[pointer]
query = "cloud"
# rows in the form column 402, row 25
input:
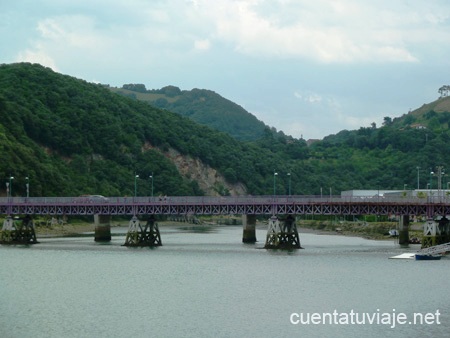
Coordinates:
column 308, row 96
column 325, row 31
column 37, row 55
column 202, row 44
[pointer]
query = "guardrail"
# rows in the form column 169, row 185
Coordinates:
column 225, row 200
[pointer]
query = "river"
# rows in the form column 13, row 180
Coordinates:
column 210, row 284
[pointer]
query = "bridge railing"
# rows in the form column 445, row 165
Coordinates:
column 224, row 200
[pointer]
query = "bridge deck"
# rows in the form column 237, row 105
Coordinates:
column 207, row 205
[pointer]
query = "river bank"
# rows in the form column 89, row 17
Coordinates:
column 374, row 231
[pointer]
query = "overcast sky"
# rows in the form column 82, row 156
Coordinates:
column 308, row 68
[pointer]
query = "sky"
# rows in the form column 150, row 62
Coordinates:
column 307, row 68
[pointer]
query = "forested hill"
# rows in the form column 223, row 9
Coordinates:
column 202, row 106
column 71, row 137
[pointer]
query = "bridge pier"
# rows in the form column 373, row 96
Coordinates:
column 435, row 232
column 102, row 228
column 282, row 236
column 139, row 236
column 444, row 228
column 18, row 233
column 403, row 230
column 249, row 228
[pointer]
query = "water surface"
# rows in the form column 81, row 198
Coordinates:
column 209, row 284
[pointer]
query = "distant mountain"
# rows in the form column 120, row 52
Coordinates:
column 202, row 106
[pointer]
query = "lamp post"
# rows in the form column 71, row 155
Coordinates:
column 440, row 173
column 10, row 185
column 135, row 184
column 274, row 183
column 27, row 185
column 289, row 176
column 151, row 177
column 431, row 176
column 418, row 181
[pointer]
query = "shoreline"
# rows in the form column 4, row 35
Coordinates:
column 76, row 229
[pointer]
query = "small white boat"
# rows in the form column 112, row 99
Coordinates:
column 404, row 256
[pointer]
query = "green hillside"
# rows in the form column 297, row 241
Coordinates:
column 71, row 137
column 202, row 106
column 434, row 116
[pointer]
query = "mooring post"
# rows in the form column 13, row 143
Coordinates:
column 249, row 228
column 403, row 230
column 102, row 228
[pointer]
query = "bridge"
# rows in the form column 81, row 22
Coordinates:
column 249, row 206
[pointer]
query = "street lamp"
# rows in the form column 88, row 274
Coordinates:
column 418, row 181
column 28, row 186
column 274, row 183
column 289, row 176
column 135, row 184
column 151, row 177
column 404, row 186
column 431, row 176
column 10, row 185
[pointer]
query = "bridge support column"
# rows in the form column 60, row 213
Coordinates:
column 18, row 232
column 444, row 229
column 435, row 233
column 249, row 228
column 430, row 233
column 282, row 236
column 102, row 228
column 403, row 230
column 143, row 236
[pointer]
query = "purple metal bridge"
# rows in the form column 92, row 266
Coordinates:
column 249, row 205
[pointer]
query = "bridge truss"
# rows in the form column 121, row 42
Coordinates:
column 297, row 205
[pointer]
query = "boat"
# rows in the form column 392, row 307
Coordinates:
column 404, row 256
column 425, row 257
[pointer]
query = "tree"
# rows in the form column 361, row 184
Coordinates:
column 443, row 91
column 387, row 121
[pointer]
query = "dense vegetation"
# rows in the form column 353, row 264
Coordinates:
column 202, row 106
column 71, row 137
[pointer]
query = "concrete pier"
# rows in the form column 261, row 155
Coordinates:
column 249, row 228
column 102, row 228
column 403, row 230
